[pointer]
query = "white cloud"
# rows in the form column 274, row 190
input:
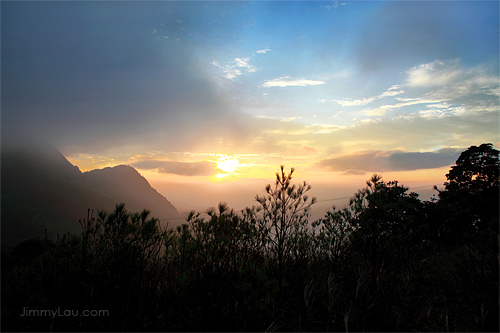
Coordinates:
column 439, row 106
column 216, row 63
column 356, row 102
column 394, row 87
column 283, row 119
column 470, row 90
column 436, row 73
column 288, row 81
column 289, row 119
column 203, row 168
column 441, row 112
column 390, row 92
column 474, row 81
column 263, row 51
column 242, row 62
column 380, row 160
column 409, row 99
column 237, row 67
column 264, row 117
column 335, row 5
column 324, row 128
column 408, row 102
column 337, row 114
column 374, row 112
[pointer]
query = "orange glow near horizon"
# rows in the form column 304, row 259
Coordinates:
column 236, row 179
column 237, row 168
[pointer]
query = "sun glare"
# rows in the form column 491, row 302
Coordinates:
column 227, row 164
column 232, row 167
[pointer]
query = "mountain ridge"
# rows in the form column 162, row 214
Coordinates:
column 42, row 190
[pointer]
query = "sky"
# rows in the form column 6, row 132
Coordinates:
column 207, row 99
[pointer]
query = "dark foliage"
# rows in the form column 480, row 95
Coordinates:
column 386, row 262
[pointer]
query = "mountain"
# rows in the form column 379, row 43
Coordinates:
column 42, row 190
column 124, row 184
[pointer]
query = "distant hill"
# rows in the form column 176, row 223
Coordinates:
column 42, row 190
column 124, row 184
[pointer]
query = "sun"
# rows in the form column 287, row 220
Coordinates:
column 227, row 164
column 233, row 167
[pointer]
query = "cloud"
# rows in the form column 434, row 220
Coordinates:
column 353, row 172
column 401, row 33
column 306, row 150
column 287, row 119
column 379, row 161
column 287, row 81
column 409, row 102
column 264, row 117
column 390, row 92
column 97, row 90
column 263, row 51
column 445, row 87
column 243, row 62
column 335, row 5
column 324, row 128
column 282, row 119
column 456, row 82
column 374, row 112
column 420, row 131
column 203, row 168
column 237, row 67
column 433, row 74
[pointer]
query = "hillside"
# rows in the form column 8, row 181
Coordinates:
column 42, row 190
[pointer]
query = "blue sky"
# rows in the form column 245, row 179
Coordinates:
column 237, row 88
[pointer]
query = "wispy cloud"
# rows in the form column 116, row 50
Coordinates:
column 287, row 81
column 263, row 51
column 455, row 81
column 203, row 168
column 283, row 119
column 442, row 88
column 325, row 128
column 409, row 102
column 374, row 112
column 289, row 119
column 237, row 67
column 437, row 73
column 335, row 5
column 392, row 91
column 379, row 160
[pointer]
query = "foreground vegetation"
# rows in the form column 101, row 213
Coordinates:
column 386, row 262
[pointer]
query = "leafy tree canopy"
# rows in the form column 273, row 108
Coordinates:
column 471, row 196
column 476, row 169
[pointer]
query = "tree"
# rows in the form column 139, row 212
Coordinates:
column 286, row 209
column 477, row 169
column 389, row 220
column 471, row 195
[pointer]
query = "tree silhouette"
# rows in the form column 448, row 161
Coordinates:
column 384, row 216
column 286, row 208
column 476, row 170
column 471, row 195
column 370, row 266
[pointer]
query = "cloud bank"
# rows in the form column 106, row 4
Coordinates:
column 287, row 81
column 379, row 161
column 393, row 91
column 203, row 168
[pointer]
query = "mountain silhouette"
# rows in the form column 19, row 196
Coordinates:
column 42, row 190
column 124, row 184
